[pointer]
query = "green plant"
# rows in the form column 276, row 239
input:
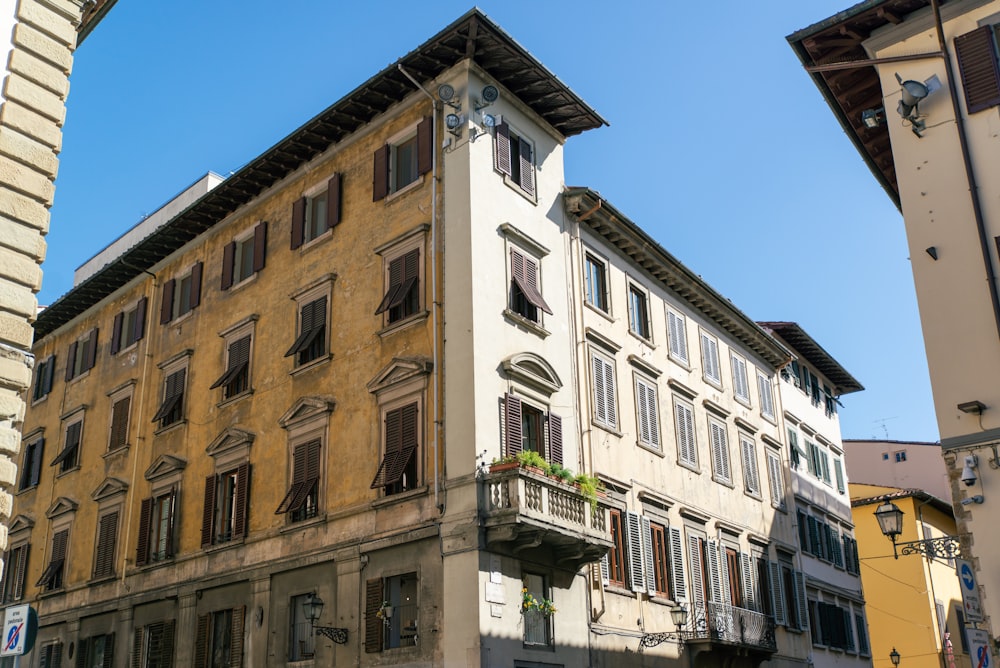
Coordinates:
column 557, row 470
column 543, row 605
column 506, row 459
column 589, row 487
column 527, row 458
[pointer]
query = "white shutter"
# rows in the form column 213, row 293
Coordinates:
column 653, row 409
column 637, row 578
column 678, row 336
column 747, row 577
column 649, row 427
column 605, row 570
column 777, row 593
column 600, row 401
column 697, row 577
column 799, row 584
column 647, row 554
column 710, row 357
column 686, row 449
column 715, row 572
column 838, row 469
column 741, row 387
column 720, row 451
column 609, row 388
column 766, row 401
column 776, row 479
column 678, row 588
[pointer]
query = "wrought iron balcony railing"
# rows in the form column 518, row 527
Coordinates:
column 718, row 622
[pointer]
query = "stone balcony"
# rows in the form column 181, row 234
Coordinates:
column 529, row 515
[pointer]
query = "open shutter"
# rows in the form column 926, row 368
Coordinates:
column 555, row 453
column 167, row 301
column 799, row 584
column 242, row 500
column 725, row 593
column 298, row 222
column 20, row 572
column 605, row 570
column 512, row 424
column 166, row 649
column 501, row 146
column 714, row 572
column 697, row 576
column 201, row 642
column 116, row 332
column 137, row 648
column 679, row 587
column 373, row 625
column 747, row 577
column 194, row 287
column 333, row 201
column 425, row 139
column 380, row 179
column 600, row 400
column 139, row 325
column 208, row 511
column 36, row 462
column 838, row 470
column 91, row 350
column 777, row 595
column 228, row 259
column 82, row 648
column 259, row 245
column 142, row 548
column 236, row 640
column 71, row 360
column 647, row 552
column 109, row 651
column 977, row 65
column 633, row 531
column 527, row 168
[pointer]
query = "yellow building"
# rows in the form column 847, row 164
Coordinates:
column 914, row 602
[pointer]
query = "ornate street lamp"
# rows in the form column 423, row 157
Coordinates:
column 313, row 608
column 890, row 521
column 894, row 657
column 679, row 616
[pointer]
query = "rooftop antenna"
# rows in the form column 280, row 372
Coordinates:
column 881, row 423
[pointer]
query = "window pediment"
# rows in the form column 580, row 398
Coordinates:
column 400, row 370
column 164, row 466
column 61, row 506
column 228, row 440
column 533, row 371
column 20, row 523
column 305, row 409
column 110, row 487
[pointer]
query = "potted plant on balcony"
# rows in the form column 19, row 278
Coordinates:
column 561, row 473
column 589, row 487
column 529, row 459
column 543, row 605
column 504, row 463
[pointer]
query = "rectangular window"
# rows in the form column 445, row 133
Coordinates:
column 31, row 463
column 741, row 385
column 862, row 628
column 398, row 470
column 687, row 448
column 402, row 296
column 638, row 312
column 181, row 294
column 710, row 359
column 391, row 612
column 596, row 282
column 244, row 256
column 51, row 655
column 720, row 451
column 537, row 623
column 96, row 652
column 235, row 380
column 219, row 639
column 129, row 327
column 661, row 560
column 52, row 576
column 301, row 644
column 171, row 410
column 793, row 448
column 118, row 434
column 156, row 529
column 829, row 402
column 301, row 502
column 603, row 378
column 107, row 539
column 648, row 412
column 69, row 458
column 677, row 335
column 154, row 645
column 15, row 571
column 616, row 555
column 751, row 478
column 528, row 427
column 838, row 469
column 81, row 355
column 979, row 72
column 776, row 479
column 44, row 374
column 313, row 215
column 766, row 399
column 224, row 514
column 402, row 160
column 900, row 456
column 525, row 298
column 514, row 158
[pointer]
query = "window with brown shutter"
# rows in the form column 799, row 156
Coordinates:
column 82, row 355
column 119, row 423
column 69, row 457
column 172, row 408
column 398, row 469
column 979, row 71
column 156, row 529
column 401, row 162
column 402, row 296
column 244, row 256
column 44, row 375
column 107, row 535
column 14, row 573
column 129, row 327
column 616, row 555
column 219, row 638
column 235, row 380
column 31, row 463
column 301, row 501
column 310, row 344
column 96, row 651
column 52, row 576
column 312, row 216
column 153, row 645
column 513, row 156
column 224, row 515
column 525, row 299
column 51, row 655
column 374, row 626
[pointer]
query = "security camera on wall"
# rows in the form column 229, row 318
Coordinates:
column 969, row 471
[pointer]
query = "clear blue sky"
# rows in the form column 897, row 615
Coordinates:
column 719, row 145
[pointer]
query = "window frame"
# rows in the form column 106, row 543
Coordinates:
column 181, row 294
column 159, row 635
column 307, row 425
column 307, row 225
column 129, row 326
column 741, row 377
column 30, row 471
column 401, row 410
column 252, row 243
column 710, row 359
column 120, row 417
column 87, row 649
column 766, row 397
column 386, row 160
column 776, row 478
column 15, row 572
column 608, row 397
column 171, row 412
column 53, row 578
column 638, row 312
column 722, row 469
column 647, row 411
column 226, row 509
column 44, row 377
column 236, row 380
column 751, row 468
column 69, row 456
column 537, row 585
column 597, row 280
column 616, row 555
column 397, row 250
column 82, row 355
column 680, row 404
column 106, row 544
column 299, row 647
column 518, row 172
column 677, row 337
column 525, row 298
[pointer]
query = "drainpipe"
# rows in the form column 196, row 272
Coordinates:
column 435, row 311
column 969, row 172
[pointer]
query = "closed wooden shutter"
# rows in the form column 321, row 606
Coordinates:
column 512, row 425
column 139, row 325
column 236, row 641
column 677, row 335
column 36, row 462
column 710, row 358
column 373, row 625
column 679, row 586
column 71, row 360
column 136, row 661
column 380, row 177
column 49, row 375
column 119, row 423
column 720, row 450
column 107, row 535
column 776, row 479
column 208, row 511
column 299, row 221
column 228, row 260
column 555, row 453
column 194, row 286
column 741, row 387
column 116, row 332
column 777, row 593
column 687, row 450
column 747, row 575
column 977, row 65
column 145, row 518
column 167, row 302
column 91, row 351
column 82, row 648
column 799, row 585
column 333, row 201
column 201, row 641
column 605, row 409
column 527, row 174
column 501, row 148
column 259, row 245
column 425, row 139
column 243, row 499
column 649, row 427
column 750, row 472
